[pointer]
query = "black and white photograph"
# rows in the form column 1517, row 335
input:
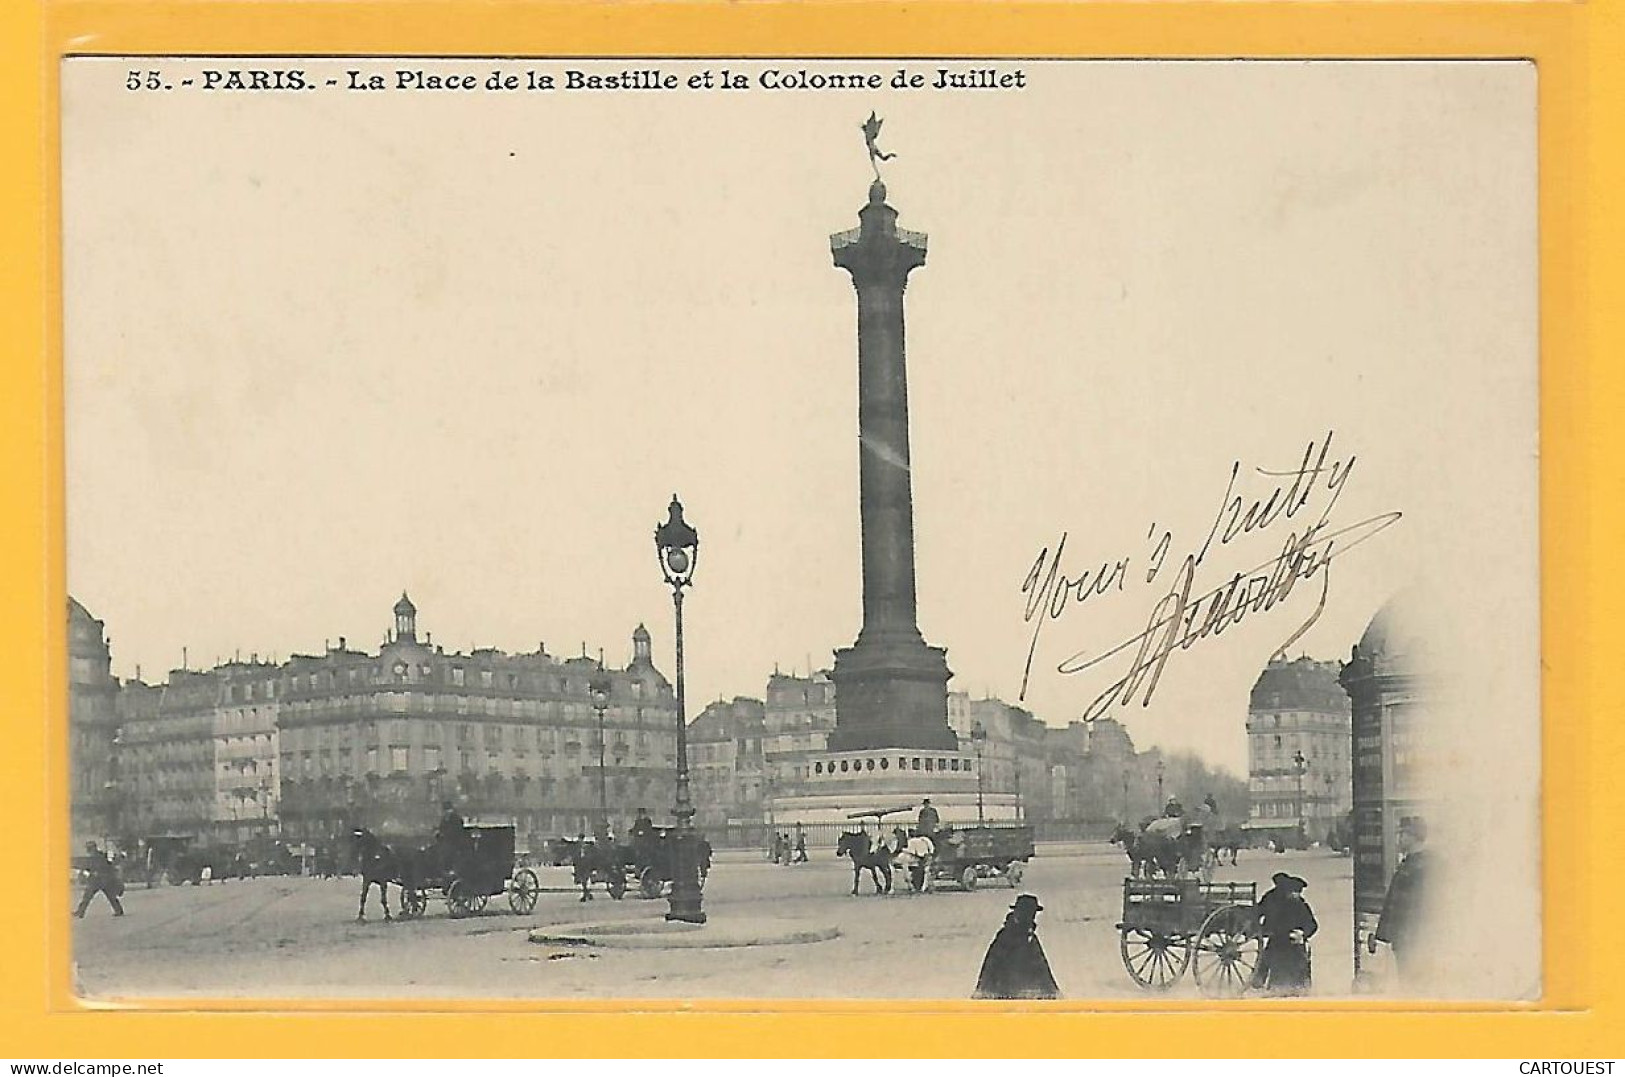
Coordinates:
column 709, row 529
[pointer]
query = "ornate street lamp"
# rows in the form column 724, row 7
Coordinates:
column 599, row 688
column 1161, row 766
column 678, row 547
column 978, row 735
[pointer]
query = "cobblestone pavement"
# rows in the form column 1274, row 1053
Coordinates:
column 297, row 938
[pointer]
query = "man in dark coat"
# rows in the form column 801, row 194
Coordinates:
column 1401, row 925
column 1015, row 966
column 928, row 820
column 1287, row 924
column 451, row 837
column 103, row 880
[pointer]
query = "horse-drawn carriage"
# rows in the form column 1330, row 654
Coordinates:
column 969, row 855
column 1171, row 925
column 647, row 863
column 966, row 855
column 166, row 858
column 467, row 874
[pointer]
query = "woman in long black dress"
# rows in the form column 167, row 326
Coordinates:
column 1015, row 966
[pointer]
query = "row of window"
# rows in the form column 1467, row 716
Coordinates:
column 457, row 676
column 433, row 734
column 926, row 763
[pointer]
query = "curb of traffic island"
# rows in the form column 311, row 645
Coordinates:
column 676, row 935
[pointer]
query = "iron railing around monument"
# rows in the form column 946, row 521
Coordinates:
column 822, row 837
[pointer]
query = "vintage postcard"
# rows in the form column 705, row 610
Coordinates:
column 709, row 529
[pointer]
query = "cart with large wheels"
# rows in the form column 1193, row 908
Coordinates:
column 1170, row 926
column 972, row 855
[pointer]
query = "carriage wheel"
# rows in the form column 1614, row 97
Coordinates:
column 650, row 884
column 1225, row 953
column 477, row 902
column 413, row 903
column 458, row 899
column 522, row 895
column 967, row 877
column 1014, row 872
column 1156, row 961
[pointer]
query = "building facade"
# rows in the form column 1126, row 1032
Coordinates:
column 1012, row 747
column 727, row 766
column 383, row 739
column 245, row 757
column 798, row 718
column 167, row 755
column 95, row 790
column 1298, row 754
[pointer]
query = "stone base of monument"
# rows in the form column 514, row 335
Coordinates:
column 661, row 934
column 843, row 784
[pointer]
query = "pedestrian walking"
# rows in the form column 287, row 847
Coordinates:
column 1287, row 923
column 801, row 845
column 1015, row 966
column 103, row 879
column 582, row 865
column 1402, row 924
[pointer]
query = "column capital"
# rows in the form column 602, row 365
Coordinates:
column 877, row 250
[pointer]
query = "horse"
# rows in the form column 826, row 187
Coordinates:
column 378, row 865
column 1153, row 850
column 857, row 846
column 1228, row 840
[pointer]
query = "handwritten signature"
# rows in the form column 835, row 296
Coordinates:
column 1178, row 619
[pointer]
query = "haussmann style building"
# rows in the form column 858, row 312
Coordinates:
column 1298, row 754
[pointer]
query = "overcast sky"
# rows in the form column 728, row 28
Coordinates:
column 326, row 346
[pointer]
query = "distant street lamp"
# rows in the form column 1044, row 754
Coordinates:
column 978, row 735
column 770, row 786
column 1161, row 766
column 678, row 547
column 599, row 689
column 1125, row 796
column 1301, row 765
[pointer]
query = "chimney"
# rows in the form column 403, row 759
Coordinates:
column 341, row 643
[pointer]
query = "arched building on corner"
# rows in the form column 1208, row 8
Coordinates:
column 1298, row 766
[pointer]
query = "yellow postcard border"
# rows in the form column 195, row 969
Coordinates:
column 1576, row 47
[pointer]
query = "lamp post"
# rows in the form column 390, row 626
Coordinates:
column 770, row 786
column 113, row 792
column 599, row 688
column 1301, row 765
column 678, row 547
column 1161, row 766
column 1125, row 796
column 978, row 736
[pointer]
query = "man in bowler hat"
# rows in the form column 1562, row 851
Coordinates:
column 1015, row 966
column 1402, row 908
